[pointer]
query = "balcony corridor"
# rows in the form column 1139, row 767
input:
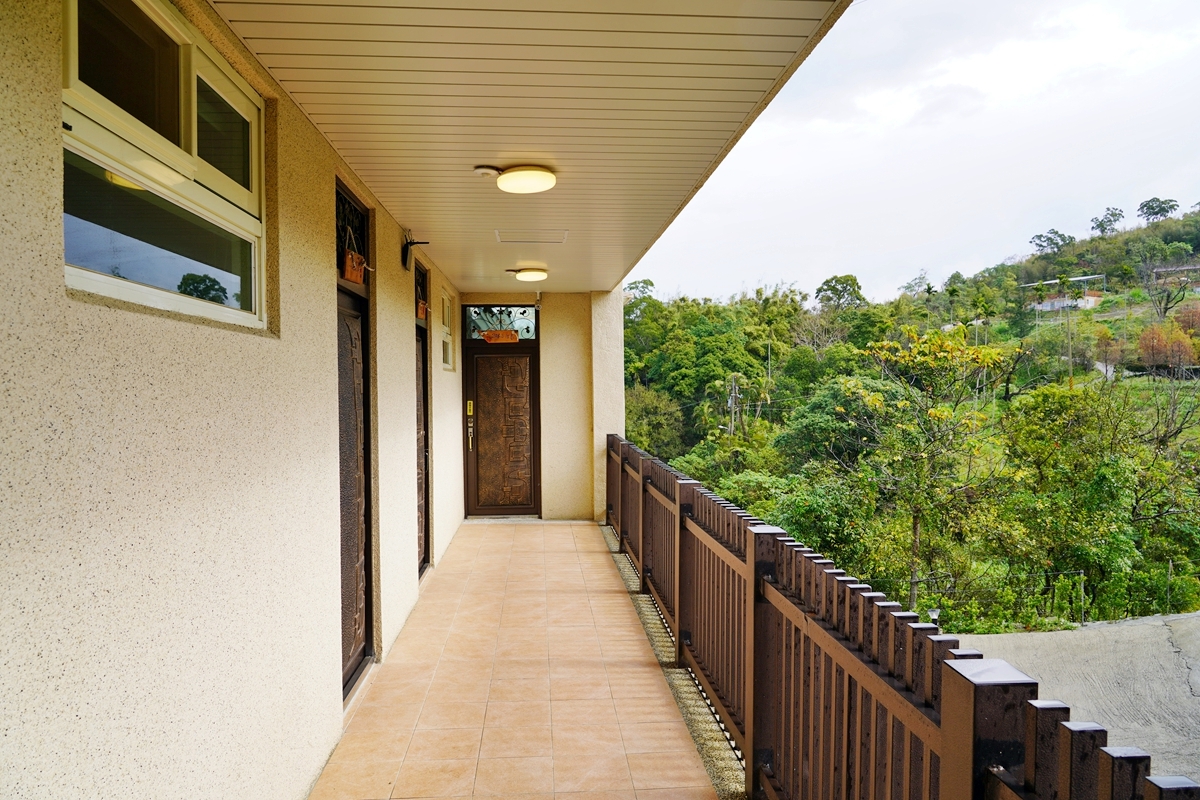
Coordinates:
column 525, row 672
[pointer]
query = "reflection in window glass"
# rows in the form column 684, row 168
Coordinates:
column 222, row 134
column 111, row 225
column 482, row 319
column 124, row 56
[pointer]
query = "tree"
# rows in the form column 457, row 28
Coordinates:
column 653, row 421
column 1051, row 242
column 1109, row 350
column 1152, row 346
column 1156, row 209
column 925, row 447
column 1106, row 223
column 205, row 287
column 840, row 293
column 1167, row 287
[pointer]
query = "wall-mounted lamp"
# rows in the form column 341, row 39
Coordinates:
column 408, row 252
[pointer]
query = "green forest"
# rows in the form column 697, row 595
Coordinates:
column 1017, row 448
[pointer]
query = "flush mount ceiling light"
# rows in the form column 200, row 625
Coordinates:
column 520, row 180
column 530, row 271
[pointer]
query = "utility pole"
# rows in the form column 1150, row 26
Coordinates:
column 1170, row 575
column 732, row 403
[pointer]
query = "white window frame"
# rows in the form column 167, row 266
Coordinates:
column 100, row 131
column 447, row 332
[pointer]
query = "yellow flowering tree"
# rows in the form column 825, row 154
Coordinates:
column 929, row 441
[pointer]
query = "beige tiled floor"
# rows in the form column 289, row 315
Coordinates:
column 523, row 672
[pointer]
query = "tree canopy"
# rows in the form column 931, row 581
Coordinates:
column 1016, row 462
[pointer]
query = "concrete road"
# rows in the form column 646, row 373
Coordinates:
column 1139, row 678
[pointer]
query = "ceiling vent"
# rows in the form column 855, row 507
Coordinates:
column 525, row 237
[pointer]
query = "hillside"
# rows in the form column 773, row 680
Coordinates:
column 1016, row 460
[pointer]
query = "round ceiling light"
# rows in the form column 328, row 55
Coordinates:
column 526, row 180
column 536, row 271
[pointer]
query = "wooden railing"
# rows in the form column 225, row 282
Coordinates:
column 829, row 690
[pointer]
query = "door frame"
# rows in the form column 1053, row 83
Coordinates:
column 423, row 389
column 359, row 296
column 471, row 349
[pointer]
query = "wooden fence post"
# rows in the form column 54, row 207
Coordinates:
column 684, row 491
column 641, row 532
column 748, row 655
column 983, row 721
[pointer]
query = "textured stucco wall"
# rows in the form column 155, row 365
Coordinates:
column 566, row 372
column 445, row 416
column 608, row 384
column 169, row 487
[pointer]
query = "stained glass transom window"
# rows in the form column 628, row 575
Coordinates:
column 497, row 324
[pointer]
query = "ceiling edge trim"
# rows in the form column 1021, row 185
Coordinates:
column 834, row 14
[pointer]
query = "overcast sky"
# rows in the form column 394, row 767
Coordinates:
column 941, row 135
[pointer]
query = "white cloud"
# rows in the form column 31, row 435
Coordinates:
column 941, row 135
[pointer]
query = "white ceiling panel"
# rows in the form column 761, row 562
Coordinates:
column 632, row 104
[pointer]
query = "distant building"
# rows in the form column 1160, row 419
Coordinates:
column 1057, row 302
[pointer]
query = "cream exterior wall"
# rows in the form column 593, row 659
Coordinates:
column 445, row 417
column 608, row 385
column 169, row 527
column 566, row 387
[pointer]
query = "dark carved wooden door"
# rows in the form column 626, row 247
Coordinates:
column 422, row 452
column 352, row 435
column 503, row 474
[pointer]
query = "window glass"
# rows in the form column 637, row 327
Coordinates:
column 222, row 134
column 113, row 226
column 127, row 58
column 500, row 323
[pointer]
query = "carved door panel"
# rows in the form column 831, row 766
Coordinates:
column 352, row 418
column 422, row 453
column 502, row 435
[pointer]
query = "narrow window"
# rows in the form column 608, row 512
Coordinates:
column 126, row 57
column 113, row 226
column 222, row 134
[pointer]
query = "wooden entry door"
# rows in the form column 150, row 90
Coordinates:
column 501, row 430
column 354, row 464
column 422, row 450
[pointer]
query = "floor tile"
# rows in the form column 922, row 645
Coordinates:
column 680, row 770
column 355, row 781
column 523, row 672
column 587, row 740
column 367, row 745
column 452, row 715
column 585, row 712
column 657, row 737
column 435, row 778
column 511, row 776
column 443, row 744
column 524, row 689
column 517, row 714
column 524, row 743
column 591, row 773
